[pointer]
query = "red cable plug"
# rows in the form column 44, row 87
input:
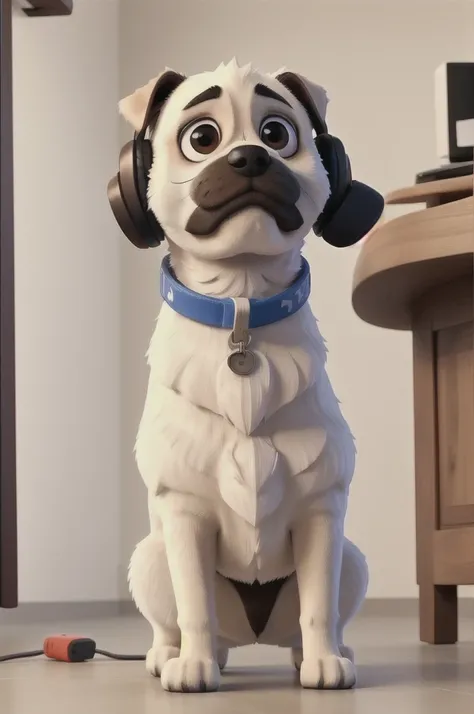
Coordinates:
column 69, row 648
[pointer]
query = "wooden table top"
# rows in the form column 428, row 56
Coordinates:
column 404, row 258
column 423, row 192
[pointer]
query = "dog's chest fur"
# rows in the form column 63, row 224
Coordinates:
column 247, row 442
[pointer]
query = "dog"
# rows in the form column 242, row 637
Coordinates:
column 242, row 445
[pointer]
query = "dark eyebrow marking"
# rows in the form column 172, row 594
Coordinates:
column 211, row 93
column 262, row 91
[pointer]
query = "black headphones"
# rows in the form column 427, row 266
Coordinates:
column 353, row 208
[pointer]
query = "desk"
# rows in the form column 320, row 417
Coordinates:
column 416, row 273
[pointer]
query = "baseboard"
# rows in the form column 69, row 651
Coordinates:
column 127, row 607
column 59, row 612
column 32, row 612
column 407, row 607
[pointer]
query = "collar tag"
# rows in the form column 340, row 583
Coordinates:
column 240, row 332
column 241, row 360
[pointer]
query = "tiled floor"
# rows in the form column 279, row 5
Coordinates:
column 397, row 675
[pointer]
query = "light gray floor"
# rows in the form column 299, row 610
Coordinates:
column 396, row 675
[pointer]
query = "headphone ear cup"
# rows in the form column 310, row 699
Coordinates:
column 358, row 213
column 335, row 161
column 128, row 199
column 122, row 214
column 353, row 208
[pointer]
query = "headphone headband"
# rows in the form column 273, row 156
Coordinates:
column 298, row 88
column 164, row 87
column 351, row 211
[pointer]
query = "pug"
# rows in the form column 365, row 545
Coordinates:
column 242, row 445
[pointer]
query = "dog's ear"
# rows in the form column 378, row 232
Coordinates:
column 145, row 103
column 312, row 96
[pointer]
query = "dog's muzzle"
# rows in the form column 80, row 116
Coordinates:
column 247, row 176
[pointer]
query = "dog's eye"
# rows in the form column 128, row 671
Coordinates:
column 199, row 139
column 279, row 134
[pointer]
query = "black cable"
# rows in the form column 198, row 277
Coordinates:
column 125, row 658
column 21, row 655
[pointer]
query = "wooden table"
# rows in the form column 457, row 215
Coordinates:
column 416, row 273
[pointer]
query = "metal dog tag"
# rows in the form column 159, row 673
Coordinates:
column 242, row 363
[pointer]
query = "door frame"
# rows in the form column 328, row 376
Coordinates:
column 8, row 505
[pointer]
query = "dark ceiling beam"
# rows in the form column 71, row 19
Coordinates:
column 47, row 8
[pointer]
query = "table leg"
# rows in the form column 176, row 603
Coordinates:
column 438, row 603
column 438, row 614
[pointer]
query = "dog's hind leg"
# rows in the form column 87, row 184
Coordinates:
column 222, row 656
column 151, row 588
column 353, row 589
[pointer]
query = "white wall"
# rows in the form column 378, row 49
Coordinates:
column 67, row 303
column 377, row 60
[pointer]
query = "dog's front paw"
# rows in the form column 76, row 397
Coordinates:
column 157, row 657
column 328, row 672
column 190, row 675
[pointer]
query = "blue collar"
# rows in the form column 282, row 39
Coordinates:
column 219, row 312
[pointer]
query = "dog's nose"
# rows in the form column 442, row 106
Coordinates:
column 249, row 160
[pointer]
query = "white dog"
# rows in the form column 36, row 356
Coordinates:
column 242, row 445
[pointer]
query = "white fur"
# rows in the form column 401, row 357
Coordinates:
column 247, row 477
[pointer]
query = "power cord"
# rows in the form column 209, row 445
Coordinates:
column 68, row 648
column 122, row 657
column 21, row 655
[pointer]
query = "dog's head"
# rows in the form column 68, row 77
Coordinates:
column 235, row 168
